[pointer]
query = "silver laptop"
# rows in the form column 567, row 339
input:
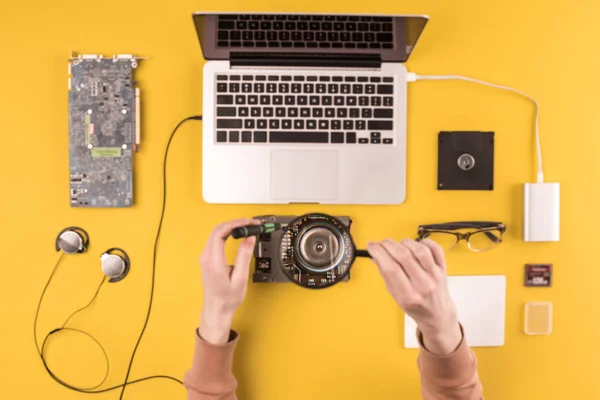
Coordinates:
column 305, row 108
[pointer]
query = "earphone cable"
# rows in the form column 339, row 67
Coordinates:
column 162, row 216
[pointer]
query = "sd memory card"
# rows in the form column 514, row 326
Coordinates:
column 538, row 275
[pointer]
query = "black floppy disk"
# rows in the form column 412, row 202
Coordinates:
column 465, row 160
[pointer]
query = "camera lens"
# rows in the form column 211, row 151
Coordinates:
column 319, row 247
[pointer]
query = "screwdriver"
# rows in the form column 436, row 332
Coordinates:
column 255, row 230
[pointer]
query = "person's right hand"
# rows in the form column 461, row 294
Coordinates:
column 224, row 285
column 415, row 276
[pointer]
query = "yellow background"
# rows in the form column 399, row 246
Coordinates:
column 296, row 344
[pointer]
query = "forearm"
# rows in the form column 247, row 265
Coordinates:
column 448, row 375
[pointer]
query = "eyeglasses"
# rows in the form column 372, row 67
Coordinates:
column 480, row 236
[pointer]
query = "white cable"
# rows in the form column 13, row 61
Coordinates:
column 540, row 174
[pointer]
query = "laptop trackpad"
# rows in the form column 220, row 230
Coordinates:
column 309, row 176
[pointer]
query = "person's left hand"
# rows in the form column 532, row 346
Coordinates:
column 224, row 285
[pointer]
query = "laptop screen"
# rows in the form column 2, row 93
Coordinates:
column 391, row 37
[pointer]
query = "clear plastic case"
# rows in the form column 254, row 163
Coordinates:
column 538, row 318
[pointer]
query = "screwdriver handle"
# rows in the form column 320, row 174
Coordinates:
column 255, row 230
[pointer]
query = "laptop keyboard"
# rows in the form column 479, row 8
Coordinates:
column 304, row 109
column 305, row 31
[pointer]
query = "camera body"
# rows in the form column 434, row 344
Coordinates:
column 269, row 268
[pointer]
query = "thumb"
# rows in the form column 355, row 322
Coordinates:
column 239, row 276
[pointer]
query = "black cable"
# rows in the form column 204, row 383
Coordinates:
column 64, row 328
column 162, row 216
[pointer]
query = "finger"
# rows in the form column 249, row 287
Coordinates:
column 437, row 252
column 216, row 241
column 239, row 276
column 404, row 257
column 391, row 271
column 423, row 255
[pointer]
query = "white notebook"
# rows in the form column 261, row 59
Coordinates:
column 481, row 303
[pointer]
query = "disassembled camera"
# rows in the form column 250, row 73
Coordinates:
column 313, row 251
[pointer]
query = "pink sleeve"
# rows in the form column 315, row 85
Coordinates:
column 211, row 376
column 449, row 377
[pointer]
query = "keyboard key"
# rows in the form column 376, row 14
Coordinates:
column 369, row 37
column 388, row 141
column 348, row 124
column 274, row 124
column 315, row 100
column 296, row 88
column 234, row 87
column 234, row 136
column 271, row 87
column 259, row 88
column 326, row 100
column 311, row 124
column 240, row 99
column 337, row 137
column 234, row 77
column 330, row 112
column 338, row 100
column 298, row 137
column 361, row 125
column 363, row 141
column 337, row 79
column 363, row 101
column 324, row 124
column 363, row 79
column 265, row 26
column 370, row 89
column 255, row 111
column 324, row 79
column 226, row 112
column 236, row 44
column 383, row 113
column 388, row 79
column 290, row 100
column 309, row 88
column 241, row 25
column 260, row 137
column 326, row 26
column 345, row 88
column 375, row 79
column 305, row 112
column 387, row 46
column 350, row 45
column 221, row 87
column 298, row 124
column 268, row 111
column 221, row 136
column 247, row 36
column 317, row 112
column 302, row 26
column 354, row 113
column 286, row 44
column 280, row 111
column 385, row 37
column 249, row 124
column 286, row 78
column 261, row 124
column 226, row 25
column 333, row 36
column 253, row 26
column 277, row 100
column 252, row 99
column 332, row 88
column 375, row 141
column 273, row 44
column 286, row 124
column 367, row 113
column 284, row 88
column 350, row 137
column 321, row 88
column 302, row 100
column 374, row 45
column 225, row 99
column 345, row 37
column 385, row 89
column 351, row 100
column 246, row 87
column 357, row 89
column 376, row 101
column 388, row 101
column 243, row 111
column 342, row 113
column 375, row 135
column 377, row 125
column 221, row 77
column 336, row 125
column 246, row 137
column 229, row 123
column 338, row 26
column 363, row 27
column 273, row 78
column 292, row 112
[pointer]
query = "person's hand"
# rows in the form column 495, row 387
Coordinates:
column 224, row 285
column 415, row 275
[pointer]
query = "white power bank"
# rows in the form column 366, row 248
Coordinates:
column 541, row 212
